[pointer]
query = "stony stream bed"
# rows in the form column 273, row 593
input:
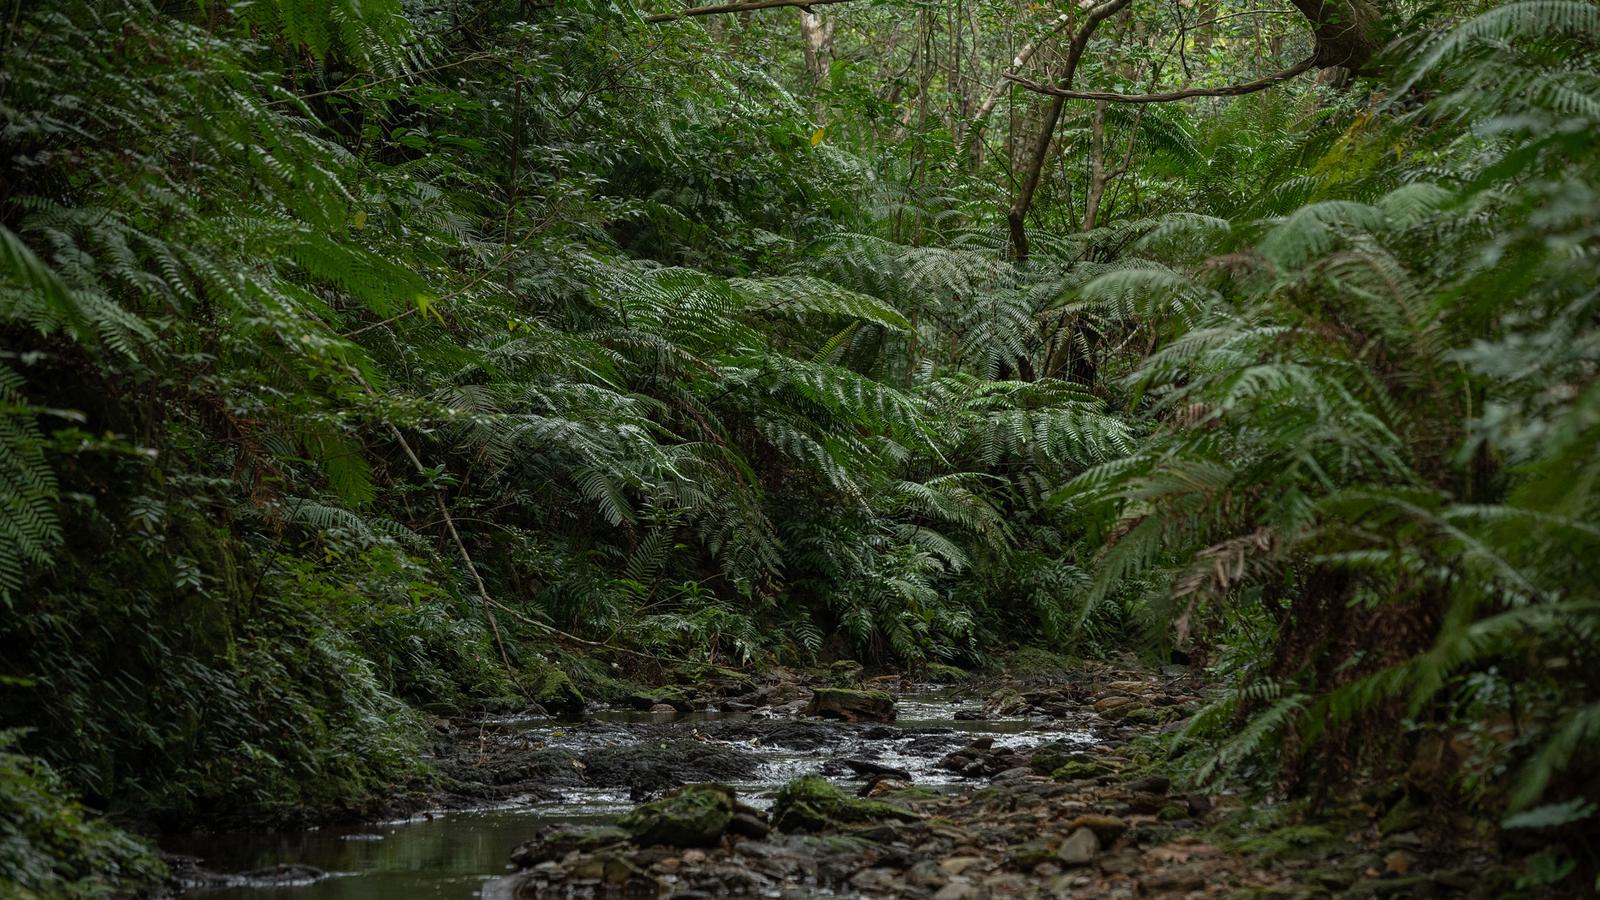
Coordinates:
column 539, row 772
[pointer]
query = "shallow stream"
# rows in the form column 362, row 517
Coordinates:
column 451, row 854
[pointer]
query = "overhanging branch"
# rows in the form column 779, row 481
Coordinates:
column 721, row 8
column 1232, row 90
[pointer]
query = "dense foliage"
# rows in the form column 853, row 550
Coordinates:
column 366, row 358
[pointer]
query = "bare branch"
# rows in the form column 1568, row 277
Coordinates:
column 720, row 8
column 1232, row 90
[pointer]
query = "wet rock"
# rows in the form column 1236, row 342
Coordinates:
column 851, row 705
column 970, row 715
column 282, row 875
column 812, row 803
column 982, row 759
column 691, row 816
column 1080, row 848
column 866, row 768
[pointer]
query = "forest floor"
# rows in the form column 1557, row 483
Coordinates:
column 1053, row 789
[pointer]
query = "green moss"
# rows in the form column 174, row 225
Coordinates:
column 851, row 705
column 695, row 815
column 554, row 691
column 1286, row 839
column 943, row 674
column 844, row 673
column 812, row 803
column 1081, row 766
column 1036, row 662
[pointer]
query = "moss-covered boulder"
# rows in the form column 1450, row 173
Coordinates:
column 812, row 803
column 1036, row 663
column 1052, row 756
column 939, row 673
column 695, row 815
column 556, row 693
column 844, row 673
column 1082, row 766
column 558, row 843
column 851, row 705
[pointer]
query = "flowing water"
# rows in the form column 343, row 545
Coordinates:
column 450, row 855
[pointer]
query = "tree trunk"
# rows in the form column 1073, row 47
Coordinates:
column 818, row 39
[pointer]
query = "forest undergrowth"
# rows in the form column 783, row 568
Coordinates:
column 366, row 361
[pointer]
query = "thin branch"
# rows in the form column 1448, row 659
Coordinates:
column 719, row 8
column 1232, row 90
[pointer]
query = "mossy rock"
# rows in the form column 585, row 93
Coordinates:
column 694, row 815
column 560, row 842
column 851, row 705
column 939, row 673
column 1286, row 840
column 1036, row 662
column 812, row 803
column 699, row 673
column 1082, row 766
column 675, row 697
column 844, row 673
column 1053, row 756
column 554, row 691
column 1172, row 812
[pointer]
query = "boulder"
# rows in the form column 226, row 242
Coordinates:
column 812, row 803
column 694, row 815
column 1082, row 766
column 943, row 674
column 554, row 691
column 851, row 705
column 561, row 841
column 844, row 673
column 1052, row 756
